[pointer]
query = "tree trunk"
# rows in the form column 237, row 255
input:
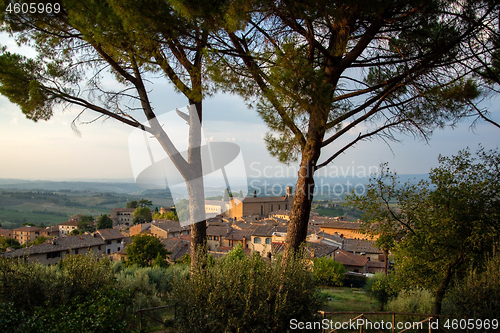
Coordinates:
column 441, row 291
column 195, row 188
column 304, row 189
column 198, row 229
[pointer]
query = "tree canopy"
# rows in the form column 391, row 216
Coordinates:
column 104, row 222
column 317, row 72
column 437, row 228
column 144, row 250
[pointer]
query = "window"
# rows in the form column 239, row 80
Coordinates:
column 272, row 208
column 109, row 251
column 216, row 237
column 76, row 251
column 51, row 255
column 279, row 207
column 209, row 237
column 286, row 206
column 268, row 240
column 261, row 210
column 257, row 240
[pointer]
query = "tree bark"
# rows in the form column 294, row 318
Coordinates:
column 304, row 189
column 441, row 291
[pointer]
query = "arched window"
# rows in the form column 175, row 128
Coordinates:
column 268, row 240
column 257, row 240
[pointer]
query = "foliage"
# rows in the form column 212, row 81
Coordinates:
column 236, row 253
column 381, row 288
column 412, row 301
column 144, row 249
column 477, row 295
column 31, row 285
column 9, row 242
column 142, row 215
column 86, row 224
column 104, row 222
column 166, row 216
column 440, row 226
column 246, row 295
column 185, row 260
column 328, row 272
column 132, row 204
column 147, row 287
column 39, row 240
column 75, row 232
column 145, row 203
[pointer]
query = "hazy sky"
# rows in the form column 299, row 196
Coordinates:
column 50, row 150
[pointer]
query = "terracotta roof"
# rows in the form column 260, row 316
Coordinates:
column 52, row 228
column 177, row 247
column 6, row 233
column 320, row 250
column 238, row 234
column 170, row 225
column 31, row 229
column 73, row 223
column 342, row 225
column 360, row 246
column 350, row 259
column 123, row 209
column 109, row 234
column 264, row 230
column 281, row 212
column 214, row 230
column 61, row 244
column 265, row 199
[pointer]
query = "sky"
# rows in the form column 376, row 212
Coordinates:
column 51, row 150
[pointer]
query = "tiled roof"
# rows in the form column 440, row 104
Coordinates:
column 177, row 247
column 264, row 230
column 30, row 229
column 342, row 225
column 350, row 259
column 61, row 244
column 214, row 230
column 123, row 209
column 360, row 246
column 264, row 199
column 238, row 234
column 109, row 234
column 170, row 225
column 320, row 250
column 52, row 228
column 5, row 233
column 73, row 223
column 281, row 212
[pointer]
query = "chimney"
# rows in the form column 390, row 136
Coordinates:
column 244, row 242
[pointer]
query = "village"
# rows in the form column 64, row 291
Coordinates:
column 257, row 224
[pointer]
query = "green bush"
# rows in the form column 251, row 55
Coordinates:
column 328, row 272
column 478, row 294
column 245, row 295
column 412, row 301
column 380, row 287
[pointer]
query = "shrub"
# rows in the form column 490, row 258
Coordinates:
column 328, row 272
column 245, row 295
column 412, row 301
column 478, row 294
column 380, row 287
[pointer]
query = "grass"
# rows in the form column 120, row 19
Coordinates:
column 348, row 299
